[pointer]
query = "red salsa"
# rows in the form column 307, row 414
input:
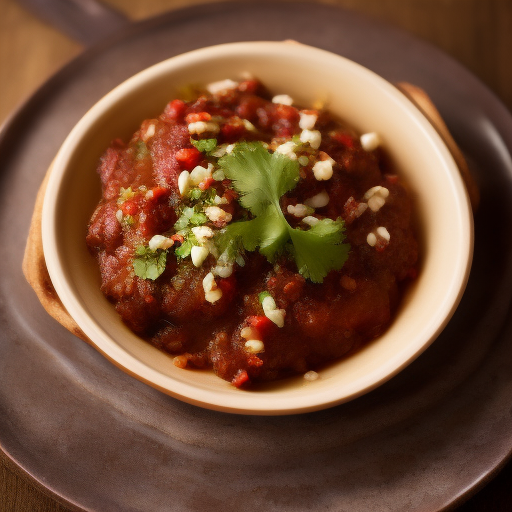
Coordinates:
column 242, row 233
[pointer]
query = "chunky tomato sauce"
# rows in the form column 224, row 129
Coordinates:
column 165, row 200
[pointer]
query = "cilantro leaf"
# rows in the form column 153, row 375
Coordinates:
column 197, row 219
column 184, row 219
column 149, row 264
column 204, row 145
column 261, row 178
column 267, row 231
column 194, row 194
column 184, row 249
column 206, row 197
column 319, row 248
column 190, row 215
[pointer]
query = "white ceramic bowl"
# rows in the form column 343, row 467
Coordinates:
column 356, row 94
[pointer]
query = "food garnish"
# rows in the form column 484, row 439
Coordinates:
column 148, row 263
column 262, row 178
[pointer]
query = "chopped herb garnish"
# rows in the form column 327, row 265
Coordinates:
column 184, row 219
column 128, row 221
column 183, row 251
column 125, row 194
column 190, row 215
column 195, row 194
column 198, row 219
column 149, row 264
column 207, row 196
column 204, row 145
column 261, row 178
column 141, row 150
column 296, row 140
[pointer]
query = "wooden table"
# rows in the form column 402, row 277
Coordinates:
column 478, row 33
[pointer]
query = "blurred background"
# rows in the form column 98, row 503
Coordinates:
column 477, row 33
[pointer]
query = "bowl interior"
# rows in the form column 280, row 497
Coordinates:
column 356, row 95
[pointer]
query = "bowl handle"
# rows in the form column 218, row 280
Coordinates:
column 36, row 273
column 422, row 101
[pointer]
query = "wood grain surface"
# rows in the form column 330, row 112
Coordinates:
column 478, row 33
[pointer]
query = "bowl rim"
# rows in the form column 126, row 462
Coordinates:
column 210, row 399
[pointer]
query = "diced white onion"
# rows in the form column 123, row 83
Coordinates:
column 313, row 137
column 375, row 203
column 307, row 121
column 318, row 201
column 271, row 312
column 323, row 170
column 299, row 210
column 254, row 346
column 370, row 141
column 150, row 131
column 383, row 233
column 216, row 214
column 376, row 197
column 378, row 190
column 277, row 316
column 211, row 292
column 202, row 233
column 287, row 149
column 160, row 242
column 198, row 255
column 310, row 221
column 202, row 127
column 221, row 85
column 183, row 182
column 371, row 239
column 283, row 99
column 199, row 174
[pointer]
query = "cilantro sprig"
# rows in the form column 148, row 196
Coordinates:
column 204, row 145
column 149, row 264
column 261, row 178
column 190, row 215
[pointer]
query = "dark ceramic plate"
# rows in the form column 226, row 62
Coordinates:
column 105, row 441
